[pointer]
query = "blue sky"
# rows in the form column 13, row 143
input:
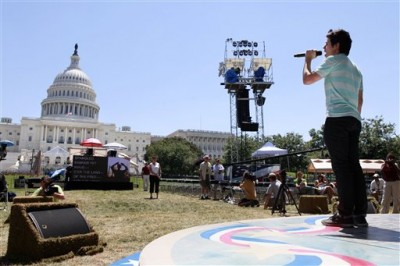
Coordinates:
column 154, row 64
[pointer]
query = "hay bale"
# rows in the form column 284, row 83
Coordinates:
column 25, row 243
column 27, row 199
column 317, row 204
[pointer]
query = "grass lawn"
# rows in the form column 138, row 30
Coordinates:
column 127, row 220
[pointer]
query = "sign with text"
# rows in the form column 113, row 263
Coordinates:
column 100, row 169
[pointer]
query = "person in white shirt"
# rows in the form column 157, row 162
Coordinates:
column 204, row 176
column 218, row 170
column 272, row 191
column 155, row 176
column 376, row 187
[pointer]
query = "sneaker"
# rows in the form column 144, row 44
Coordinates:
column 339, row 221
column 360, row 221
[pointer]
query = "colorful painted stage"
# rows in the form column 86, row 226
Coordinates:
column 300, row 240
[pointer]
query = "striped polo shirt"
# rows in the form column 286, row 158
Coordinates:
column 343, row 81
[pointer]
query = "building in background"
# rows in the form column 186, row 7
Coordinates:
column 210, row 142
column 69, row 115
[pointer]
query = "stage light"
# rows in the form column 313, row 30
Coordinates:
column 249, row 44
column 255, row 44
column 256, row 53
column 241, row 53
column 240, row 44
column 260, row 100
column 235, row 63
column 250, row 52
column 245, row 52
column 234, row 44
column 260, row 62
column 235, row 53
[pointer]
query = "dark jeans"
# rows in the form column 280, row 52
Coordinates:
column 341, row 136
column 154, row 184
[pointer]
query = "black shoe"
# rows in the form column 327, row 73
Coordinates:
column 339, row 221
column 360, row 221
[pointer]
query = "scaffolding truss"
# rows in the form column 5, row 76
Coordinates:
column 246, row 58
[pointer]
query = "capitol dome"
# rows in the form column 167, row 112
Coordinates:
column 73, row 75
column 71, row 95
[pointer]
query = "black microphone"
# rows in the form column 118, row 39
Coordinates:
column 318, row 53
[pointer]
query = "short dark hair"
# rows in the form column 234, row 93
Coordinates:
column 390, row 156
column 343, row 38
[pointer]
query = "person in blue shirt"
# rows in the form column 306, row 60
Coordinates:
column 232, row 75
column 344, row 99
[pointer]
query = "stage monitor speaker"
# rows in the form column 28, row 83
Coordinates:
column 242, row 106
column 59, row 222
column 249, row 126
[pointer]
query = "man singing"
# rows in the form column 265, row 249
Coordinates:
column 344, row 99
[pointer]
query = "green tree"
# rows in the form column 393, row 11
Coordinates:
column 292, row 142
column 317, row 138
column 378, row 138
column 317, row 141
column 240, row 148
column 176, row 155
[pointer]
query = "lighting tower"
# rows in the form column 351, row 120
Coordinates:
column 245, row 70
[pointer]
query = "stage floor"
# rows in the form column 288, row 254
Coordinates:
column 300, row 240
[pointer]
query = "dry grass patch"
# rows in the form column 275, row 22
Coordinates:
column 127, row 220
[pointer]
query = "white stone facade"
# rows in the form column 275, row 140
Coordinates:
column 70, row 114
column 210, row 142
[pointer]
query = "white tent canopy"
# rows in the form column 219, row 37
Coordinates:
column 56, row 155
column 268, row 150
column 324, row 165
column 56, row 151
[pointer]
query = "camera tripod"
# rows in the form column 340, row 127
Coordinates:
column 280, row 201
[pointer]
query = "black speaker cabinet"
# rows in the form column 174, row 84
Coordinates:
column 249, row 126
column 242, row 106
column 59, row 222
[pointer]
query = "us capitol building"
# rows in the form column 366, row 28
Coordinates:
column 70, row 114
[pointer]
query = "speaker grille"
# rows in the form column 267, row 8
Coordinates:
column 59, row 222
column 242, row 107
